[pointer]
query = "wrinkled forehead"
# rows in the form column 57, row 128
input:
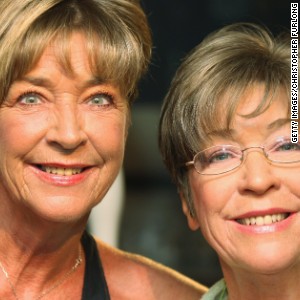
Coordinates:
column 75, row 53
column 71, row 57
column 72, row 52
column 72, row 63
column 68, row 54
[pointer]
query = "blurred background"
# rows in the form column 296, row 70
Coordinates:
column 144, row 216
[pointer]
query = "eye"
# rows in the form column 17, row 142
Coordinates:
column 220, row 156
column 288, row 146
column 29, row 98
column 101, row 99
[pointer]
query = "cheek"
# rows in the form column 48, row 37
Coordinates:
column 211, row 197
column 108, row 135
column 207, row 196
column 291, row 182
column 12, row 131
column 118, row 132
column 19, row 134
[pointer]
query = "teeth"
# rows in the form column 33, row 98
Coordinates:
column 263, row 220
column 62, row 171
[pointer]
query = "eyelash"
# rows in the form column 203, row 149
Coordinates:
column 109, row 96
column 105, row 94
column 27, row 93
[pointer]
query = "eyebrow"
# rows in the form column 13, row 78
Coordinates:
column 47, row 83
column 278, row 123
column 225, row 133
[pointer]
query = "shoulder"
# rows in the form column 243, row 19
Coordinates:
column 135, row 277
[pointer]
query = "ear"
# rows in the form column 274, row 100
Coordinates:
column 192, row 219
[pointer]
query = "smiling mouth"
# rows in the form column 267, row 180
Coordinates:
column 263, row 220
column 61, row 171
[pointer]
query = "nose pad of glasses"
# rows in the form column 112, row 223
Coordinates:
column 254, row 159
column 254, row 149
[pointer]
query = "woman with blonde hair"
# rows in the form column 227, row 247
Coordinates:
column 68, row 76
column 225, row 136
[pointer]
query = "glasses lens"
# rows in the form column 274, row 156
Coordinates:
column 283, row 150
column 218, row 159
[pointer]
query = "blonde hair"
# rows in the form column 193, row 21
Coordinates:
column 117, row 33
column 227, row 62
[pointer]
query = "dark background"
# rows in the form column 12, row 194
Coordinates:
column 152, row 222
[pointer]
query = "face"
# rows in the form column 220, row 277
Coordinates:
column 263, row 194
column 62, row 138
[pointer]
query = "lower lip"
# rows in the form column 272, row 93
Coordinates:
column 262, row 229
column 60, row 180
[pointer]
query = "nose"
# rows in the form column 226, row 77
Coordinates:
column 66, row 129
column 258, row 176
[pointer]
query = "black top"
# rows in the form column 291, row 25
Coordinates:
column 95, row 286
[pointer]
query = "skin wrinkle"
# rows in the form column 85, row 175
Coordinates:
column 66, row 99
column 234, row 88
column 201, row 186
column 77, row 117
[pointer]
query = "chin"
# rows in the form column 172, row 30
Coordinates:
column 269, row 270
column 62, row 209
column 270, row 263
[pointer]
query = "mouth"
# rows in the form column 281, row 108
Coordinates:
column 62, row 171
column 263, row 220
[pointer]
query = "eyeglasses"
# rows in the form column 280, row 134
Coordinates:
column 224, row 158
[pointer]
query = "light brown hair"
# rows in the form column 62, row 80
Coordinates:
column 117, row 33
column 227, row 62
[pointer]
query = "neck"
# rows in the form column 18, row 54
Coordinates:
column 28, row 230
column 39, row 249
column 250, row 285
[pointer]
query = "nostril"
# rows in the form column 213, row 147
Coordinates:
column 66, row 125
column 66, row 139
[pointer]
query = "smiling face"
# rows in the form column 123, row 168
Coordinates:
column 250, row 215
column 62, row 137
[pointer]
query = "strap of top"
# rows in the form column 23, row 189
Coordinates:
column 95, row 286
column 217, row 292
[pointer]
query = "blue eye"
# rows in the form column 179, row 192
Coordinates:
column 289, row 146
column 101, row 99
column 29, row 99
column 219, row 157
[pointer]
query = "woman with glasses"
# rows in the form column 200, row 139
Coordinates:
column 225, row 136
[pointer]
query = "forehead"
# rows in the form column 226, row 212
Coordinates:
column 273, row 117
column 252, row 107
column 72, row 61
column 249, row 103
column 70, row 58
column 254, row 96
column 66, row 68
